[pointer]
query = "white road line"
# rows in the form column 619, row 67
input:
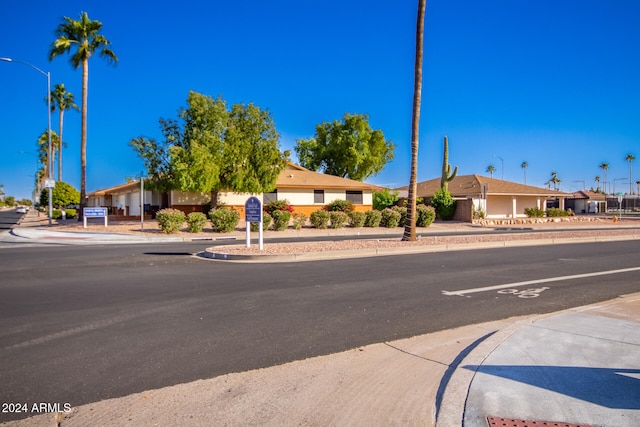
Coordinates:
column 539, row 281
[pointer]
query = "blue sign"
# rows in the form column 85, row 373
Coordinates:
column 95, row 212
column 253, row 210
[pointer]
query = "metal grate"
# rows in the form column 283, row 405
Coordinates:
column 510, row 422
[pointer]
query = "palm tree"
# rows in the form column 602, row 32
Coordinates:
column 597, row 180
column 43, row 151
column 604, row 166
column 638, row 187
column 62, row 100
column 524, row 168
column 84, row 37
column 410, row 221
column 555, row 180
column 491, row 169
column 630, row 158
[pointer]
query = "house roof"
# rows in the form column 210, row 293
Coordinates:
column 471, row 186
column 591, row 195
column 294, row 176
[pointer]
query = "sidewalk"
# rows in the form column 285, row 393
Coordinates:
column 577, row 367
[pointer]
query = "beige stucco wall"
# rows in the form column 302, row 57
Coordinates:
column 505, row 206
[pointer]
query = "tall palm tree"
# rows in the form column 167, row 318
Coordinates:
column 638, row 187
column 555, row 180
column 61, row 100
column 604, row 166
column 630, row 158
column 524, row 168
column 597, row 180
column 491, row 169
column 410, row 221
column 83, row 36
column 43, row 150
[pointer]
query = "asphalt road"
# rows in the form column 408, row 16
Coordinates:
column 84, row 323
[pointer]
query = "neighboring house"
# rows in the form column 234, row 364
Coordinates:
column 587, row 202
column 306, row 190
column 495, row 197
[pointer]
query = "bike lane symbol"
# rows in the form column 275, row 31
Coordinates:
column 525, row 293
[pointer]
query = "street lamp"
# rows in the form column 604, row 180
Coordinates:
column 50, row 148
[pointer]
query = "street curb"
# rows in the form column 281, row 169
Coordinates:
column 216, row 254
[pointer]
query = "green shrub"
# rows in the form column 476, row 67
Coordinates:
column 390, row 218
column 444, row 204
column 403, row 214
column 196, row 221
column 340, row 206
column 372, row 218
column 356, row 219
column 280, row 219
column 278, row 205
column 224, row 220
column 338, row 219
column 71, row 213
column 384, row 199
column 266, row 222
column 320, row 219
column 170, row 220
column 534, row 212
column 554, row 212
column 299, row 220
column 425, row 215
column 56, row 214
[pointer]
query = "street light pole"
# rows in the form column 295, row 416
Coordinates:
column 50, row 147
column 502, row 161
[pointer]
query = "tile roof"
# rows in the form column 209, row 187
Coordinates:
column 471, row 186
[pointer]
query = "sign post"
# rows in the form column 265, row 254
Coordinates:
column 94, row 213
column 253, row 213
column 620, row 197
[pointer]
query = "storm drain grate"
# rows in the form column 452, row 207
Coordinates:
column 510, row 422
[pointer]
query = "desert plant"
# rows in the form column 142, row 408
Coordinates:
column 338, row 219
column 356, row 219
column 224, row 220
column 320, row 219
column 426, row 215
column 340, row 206
column 372, row 218
column 390, row 218
column 170, row 220
column 533, row 212
column 280, row 219
column 444, row 204
column 196, row 221
column 299, row 220
column 403, row 214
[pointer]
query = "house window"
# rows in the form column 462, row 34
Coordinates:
column 354, row 197
column 270, row 197
column 318, row 196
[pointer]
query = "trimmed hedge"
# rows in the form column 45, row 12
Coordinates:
column 320, row 219
column 224, row 220
column 196, row 221
column 170, row 220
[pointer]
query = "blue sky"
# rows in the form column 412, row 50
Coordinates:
column 555, row 83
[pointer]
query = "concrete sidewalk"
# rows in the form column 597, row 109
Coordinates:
column 577, row 367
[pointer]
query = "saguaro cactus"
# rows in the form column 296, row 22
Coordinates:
column 446, row 167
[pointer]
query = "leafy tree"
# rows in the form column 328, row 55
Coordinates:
column 347, row 148
column 444, row 204
column 63, row 194
column 410, row 222
column 212, row 148
column 384, row 198
column 83, row 36
column 62, row 101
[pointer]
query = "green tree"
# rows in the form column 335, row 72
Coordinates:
column 347, row 148
column 63, row 194
column 61, row 100
column 384, row 198
column 212, row 148
column 84, row 38
column 630, row 158
column 409, row 233
column 605, row 167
